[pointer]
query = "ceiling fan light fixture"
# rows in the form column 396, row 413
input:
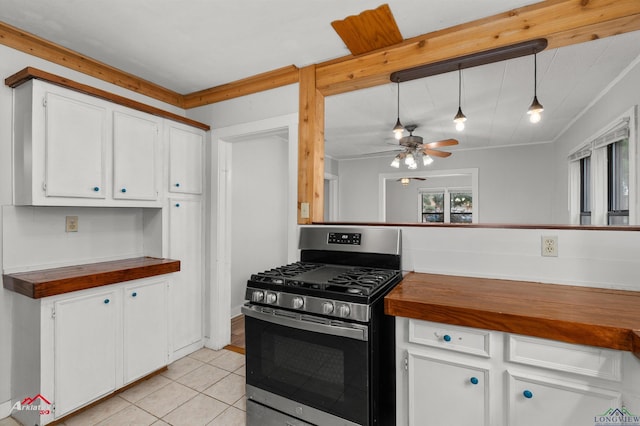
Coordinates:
column 396, row 162
column 409, row 159
column 426, row 160
column 412, row 166
column 404, row 181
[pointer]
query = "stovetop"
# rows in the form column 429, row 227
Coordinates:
column 339, row 291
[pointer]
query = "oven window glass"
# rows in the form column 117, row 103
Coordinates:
column 323, row 371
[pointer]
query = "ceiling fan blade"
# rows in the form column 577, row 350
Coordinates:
column 433, row 152
column 438, row 144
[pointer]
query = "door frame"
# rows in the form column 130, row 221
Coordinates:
column 218, row 271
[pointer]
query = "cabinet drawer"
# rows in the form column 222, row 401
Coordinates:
column 450, row 337
column 577, row 359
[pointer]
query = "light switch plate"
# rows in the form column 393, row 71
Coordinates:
column 304, row 211
column 72, row 224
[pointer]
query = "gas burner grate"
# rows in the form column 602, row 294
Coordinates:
column 290, row 270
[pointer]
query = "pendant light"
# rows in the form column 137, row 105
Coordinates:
column 398, row 129
column 536, row 107
column 460, row 118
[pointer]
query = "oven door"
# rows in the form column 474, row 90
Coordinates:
column 313, row 361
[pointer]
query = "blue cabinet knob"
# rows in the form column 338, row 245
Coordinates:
column 527, row 394
column 177, row 204
column 446, row 338
column 106, row 301
column 474, row 380
column 96, row 188
column 134, row 294
column 123, row 190
column 177, row 185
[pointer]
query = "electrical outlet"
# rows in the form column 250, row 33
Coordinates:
column 72, row 224
column 550, row 246
column 304, row 210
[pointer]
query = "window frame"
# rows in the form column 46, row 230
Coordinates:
column 446, row 191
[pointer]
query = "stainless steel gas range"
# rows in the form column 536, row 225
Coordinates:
column 319, row 348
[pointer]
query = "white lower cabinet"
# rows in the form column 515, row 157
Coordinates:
column 77, row 347
column 85, row 349
column 451, row 375
column 432, row 382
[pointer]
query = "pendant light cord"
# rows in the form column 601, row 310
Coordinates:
column 398, row 110
column 459, row 87
column 535, row 74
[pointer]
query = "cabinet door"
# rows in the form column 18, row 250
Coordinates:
column 446, row 393
column 185, row 244
column 145, row 329
column 533, row 400
column 185, row 159
column 85, row 349
column 135, row 149
column 75, row 143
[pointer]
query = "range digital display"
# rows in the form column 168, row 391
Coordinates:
column 348, row 238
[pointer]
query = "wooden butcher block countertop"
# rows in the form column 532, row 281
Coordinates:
column 51, row 282
column 583, row 315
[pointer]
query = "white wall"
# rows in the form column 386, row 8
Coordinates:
column 259, row 176
column 515, row 184
column 101, row 235
column 617, row 99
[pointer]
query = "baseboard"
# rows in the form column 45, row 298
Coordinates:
column 5, row 409
column 235, row 311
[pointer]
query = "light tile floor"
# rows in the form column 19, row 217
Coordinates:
column 206, row 387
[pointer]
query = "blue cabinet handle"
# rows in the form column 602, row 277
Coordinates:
column 527, row 394
column 96, row 188
column 177, row 204
column 177, row 185
column 474, row 380
column 106, row 301
column 134, row 294
column 123, row 190
column 446, row 338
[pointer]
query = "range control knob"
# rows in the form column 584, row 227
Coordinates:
column 327, row 308
column 257, row 296
column 344, row 311
column 297, row 302
column 271, row 298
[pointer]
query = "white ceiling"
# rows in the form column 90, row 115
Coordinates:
column 190, row 45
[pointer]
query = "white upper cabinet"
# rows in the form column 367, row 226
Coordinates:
column 136, row 144
column 185, row 159
column 75, row 140
column 73, row 149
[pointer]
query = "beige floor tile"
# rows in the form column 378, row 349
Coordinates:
column 160, row 423
column 242, row 371
column 8, row 421
column 231, row 417
column 229, row 389
column 241, row 403
column 197, row 411
column 229, row 361
column 145, row 388
column 203, row 377
column 206, row 354
column 181, row 367
column 130, row 416
column 98, row 413
column 166, row 399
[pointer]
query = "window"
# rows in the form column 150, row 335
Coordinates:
column 432, row 206
column 585, row 191
column 446, row 206
column 618, row 183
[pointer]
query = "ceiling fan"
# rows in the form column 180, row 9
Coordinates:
column 413, row 147
column 405, row 180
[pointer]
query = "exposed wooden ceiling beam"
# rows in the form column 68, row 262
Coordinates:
column 370, row 30
column 257, row 83
column 41, row 48
column 562, row 22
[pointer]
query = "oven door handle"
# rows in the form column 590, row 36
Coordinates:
column 304, row 322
